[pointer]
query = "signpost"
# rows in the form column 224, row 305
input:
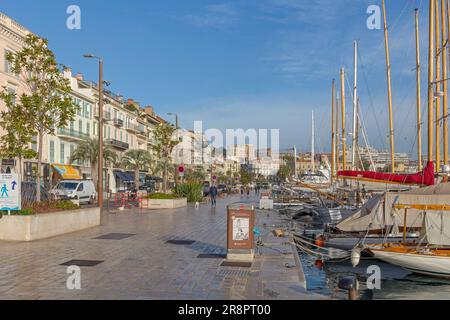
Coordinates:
column 10, row 193
column 181, row 170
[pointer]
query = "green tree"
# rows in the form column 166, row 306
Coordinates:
column 18, row 131
column 246, row 176
column 87, row 151
column 136, row 160
column 195, row 175
column 285, row 172
column 163, row 148
column 47, row 103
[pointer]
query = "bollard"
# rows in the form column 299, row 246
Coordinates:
column 351, row 285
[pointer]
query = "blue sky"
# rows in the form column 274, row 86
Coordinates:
column 242, row 64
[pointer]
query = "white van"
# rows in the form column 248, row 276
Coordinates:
column 78, row 191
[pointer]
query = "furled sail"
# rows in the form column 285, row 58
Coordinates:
column 424, row 178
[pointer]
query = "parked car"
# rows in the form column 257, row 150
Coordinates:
column 78, row 191
column 222, row 188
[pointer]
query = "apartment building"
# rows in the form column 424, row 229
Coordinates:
column 127, row 125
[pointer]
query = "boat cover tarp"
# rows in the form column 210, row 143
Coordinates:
column 424, row 178
column 437, row 228
column 379, row 212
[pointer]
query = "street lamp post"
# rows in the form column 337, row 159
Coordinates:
column 100, row 133
column 177, row 126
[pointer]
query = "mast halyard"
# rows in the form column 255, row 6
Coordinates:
column 430, row 81
column 388, row 65
column 344, row 136
column 355, row 107
column 438, row 85
column 333, row 132
column 444, row 13
column 419, row 107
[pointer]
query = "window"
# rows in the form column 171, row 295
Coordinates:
column 126, row 137
column 81, row 187
column 95, row 129
column 72, row 125
column 52, row 151
column 121, row 136
column 12, row 90
column 78, row 103
column 115, row 134
column 80, row 126
column 88, row 128
column 62, row 154
column 109, row 132
column 8, row 66
column 72, row 149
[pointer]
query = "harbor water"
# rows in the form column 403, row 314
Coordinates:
column 396, row 283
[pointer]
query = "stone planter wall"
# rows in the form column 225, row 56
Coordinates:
column 30, row 228
column 165, row 204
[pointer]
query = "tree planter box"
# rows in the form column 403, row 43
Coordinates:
column 167, row 204
column 36, row 227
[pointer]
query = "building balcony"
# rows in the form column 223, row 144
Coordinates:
column 118, row 122
column 117, row 144
column 106, row 115
column 72, row 135
column 132, row 128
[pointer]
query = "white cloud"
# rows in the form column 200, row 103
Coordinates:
column 216, row 15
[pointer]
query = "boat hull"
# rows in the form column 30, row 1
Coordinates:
column 348, row 243
column 432, row 265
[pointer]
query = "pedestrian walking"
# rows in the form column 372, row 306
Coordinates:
column 242, row 191
column 213, row 194
column 248, row 192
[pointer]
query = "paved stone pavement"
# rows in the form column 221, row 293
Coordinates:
column 144, row 266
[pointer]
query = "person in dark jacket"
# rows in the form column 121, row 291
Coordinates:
column 213, row 194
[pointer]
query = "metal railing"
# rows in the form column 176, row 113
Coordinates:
column 72, row 133
column 117, row 144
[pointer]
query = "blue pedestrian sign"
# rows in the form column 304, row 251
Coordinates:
column 10, row 194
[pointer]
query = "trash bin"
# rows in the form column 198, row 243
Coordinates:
column 241, row 221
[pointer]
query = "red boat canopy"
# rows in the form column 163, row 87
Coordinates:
column 422, row 178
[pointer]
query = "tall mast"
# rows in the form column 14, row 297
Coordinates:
column 419, row 107
column 388, row 64
column 355, row 106
column 444, row 77
column 336, row 153
column 344, row 136
column 430, row 81
column 313, row 162
column 438, row 85
column 333, row 131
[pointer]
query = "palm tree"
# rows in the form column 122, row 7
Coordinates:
column 88, row 151
column 137, row 160
column 165, row 142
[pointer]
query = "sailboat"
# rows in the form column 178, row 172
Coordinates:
column 429, row 207
column 318, row 177
column 373, row 223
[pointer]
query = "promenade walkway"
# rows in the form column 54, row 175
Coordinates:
column 135, row 261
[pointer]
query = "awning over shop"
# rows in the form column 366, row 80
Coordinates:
column 152, row 178
column 67, row 172
column 123, row 176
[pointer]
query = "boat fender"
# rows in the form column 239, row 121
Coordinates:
column 320, row 241
column 356, row 257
